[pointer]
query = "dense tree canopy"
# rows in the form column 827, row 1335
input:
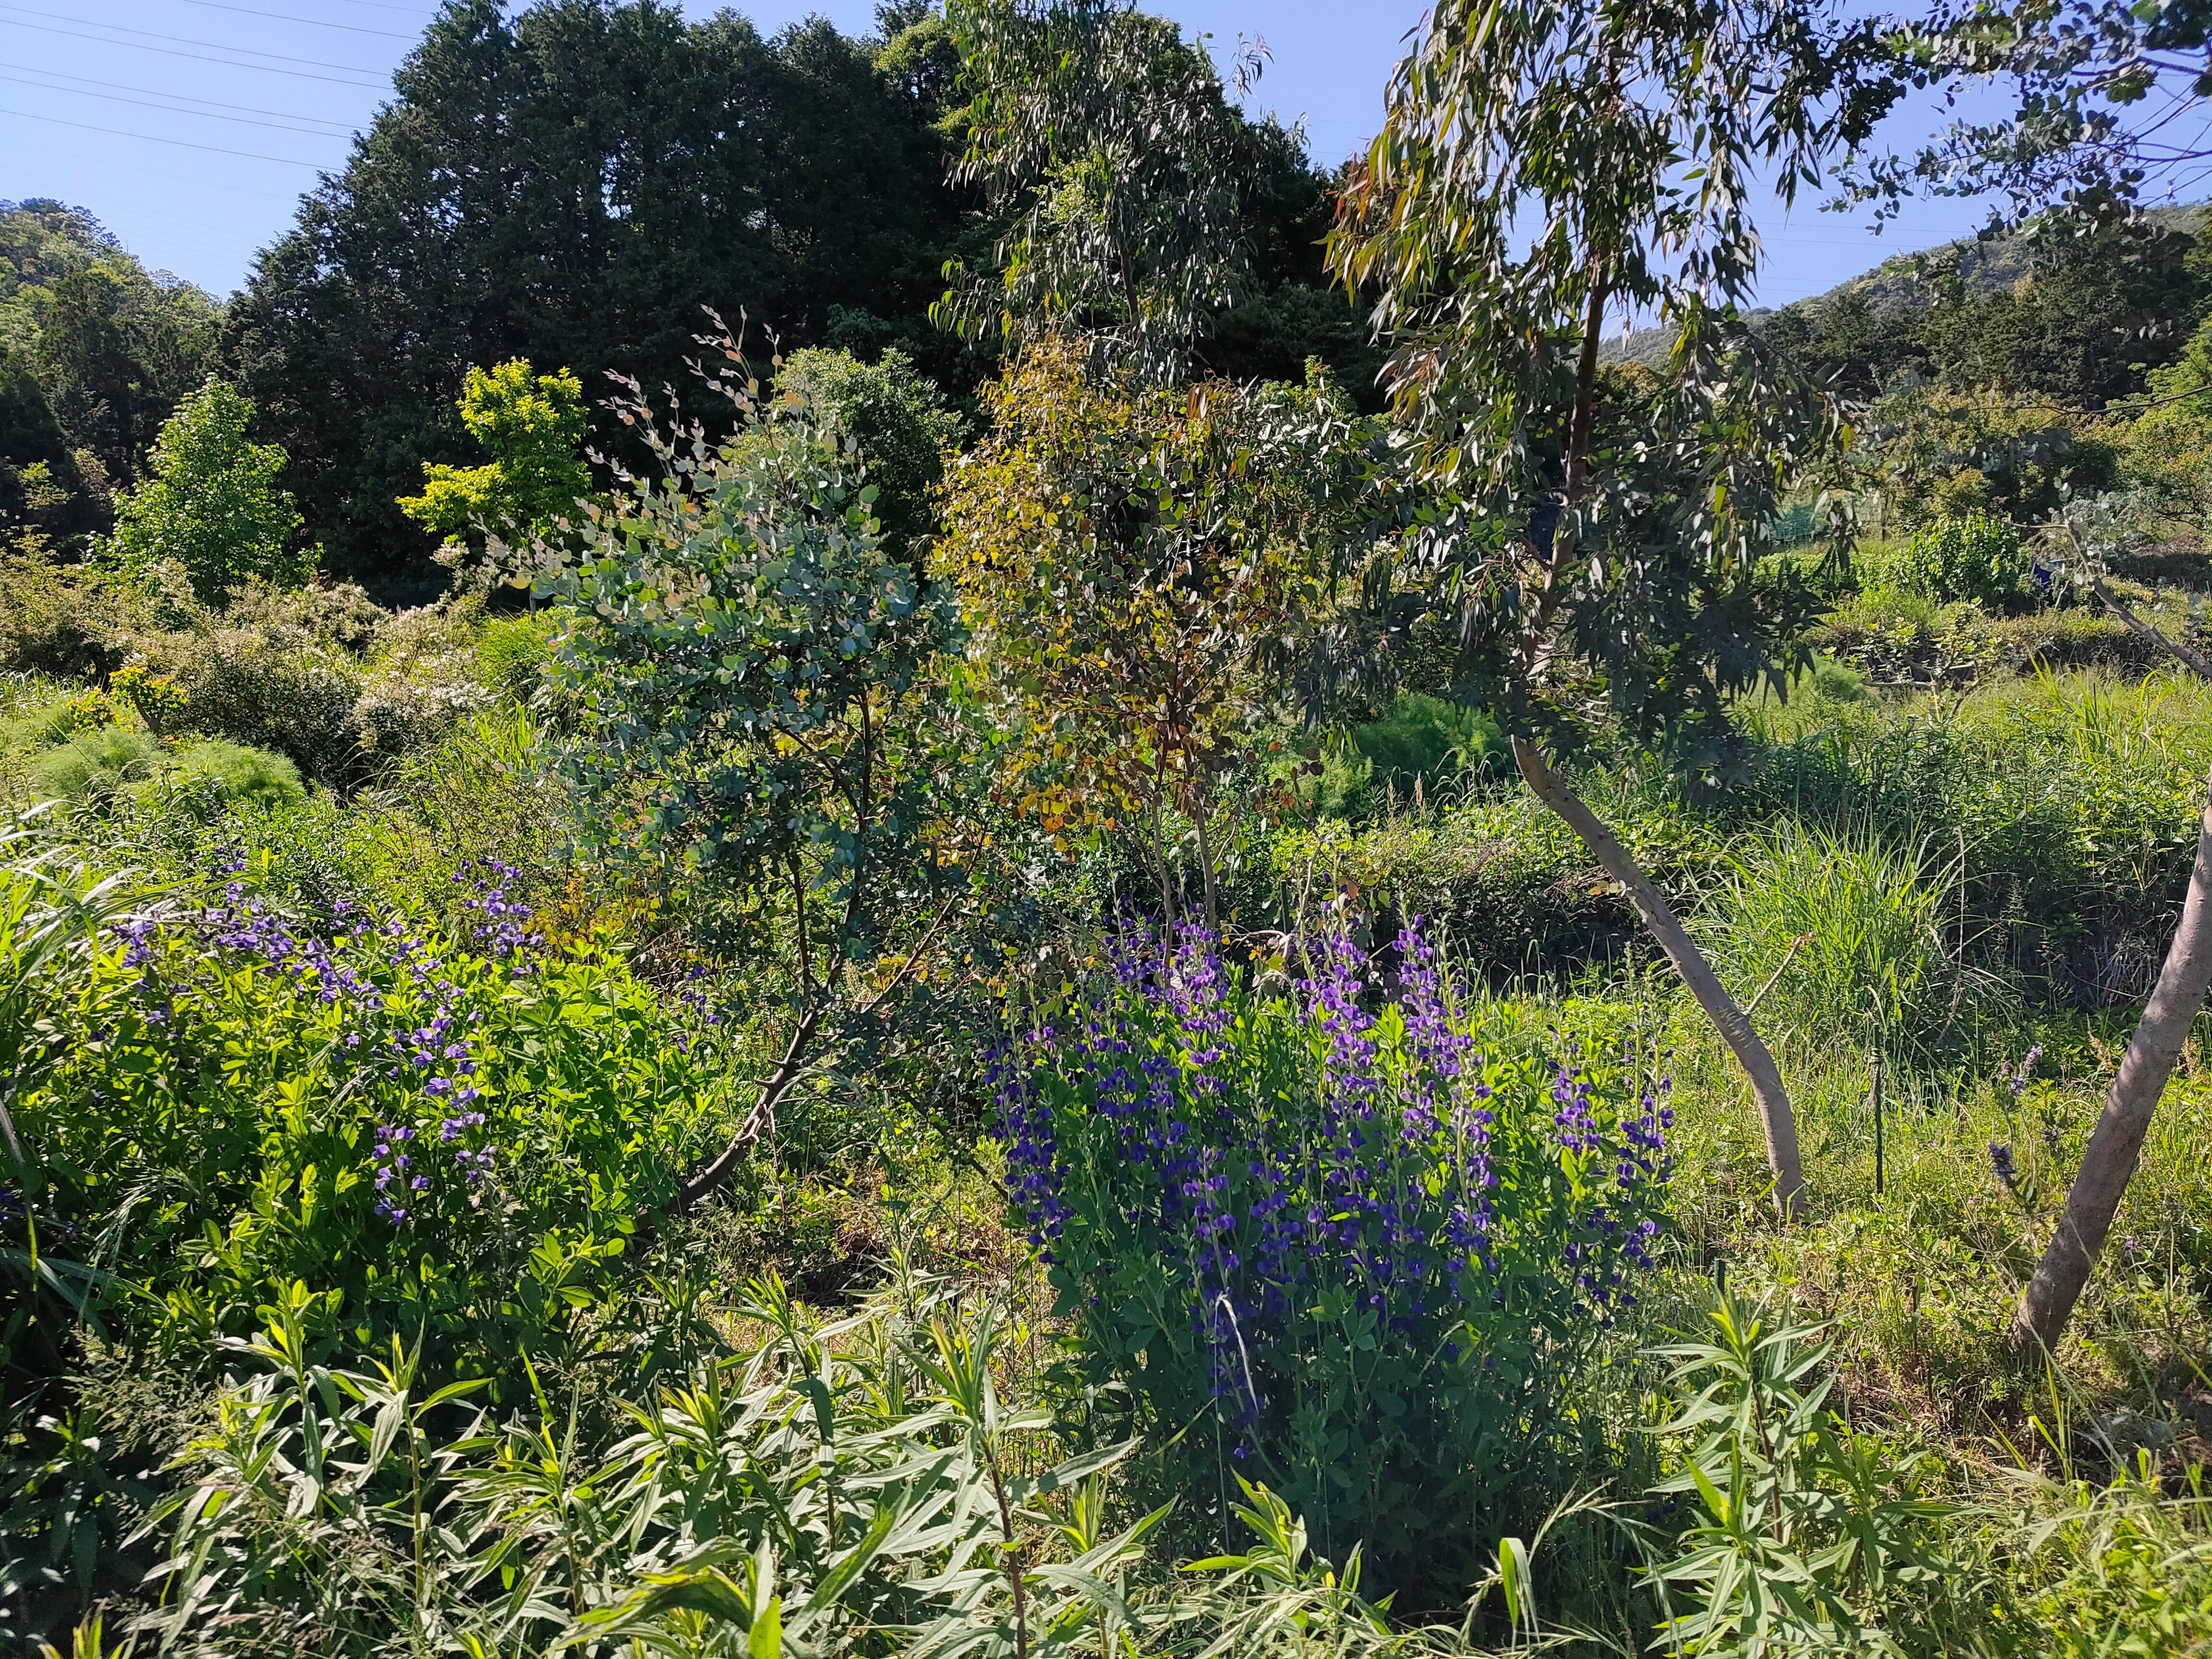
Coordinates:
column 210, row 504
column 42, row 486
column 2076, row 319
column 95, row 351
column 572, row 184
column 530, row 425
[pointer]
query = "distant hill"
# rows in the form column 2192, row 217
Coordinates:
column 1985, row 266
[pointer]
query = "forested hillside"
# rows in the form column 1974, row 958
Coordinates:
column 95, row 353
column 888, row 847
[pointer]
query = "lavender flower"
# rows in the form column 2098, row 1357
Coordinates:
column 2001, row 1166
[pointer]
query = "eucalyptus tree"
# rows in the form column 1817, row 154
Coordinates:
column 1108, row 148
column 756, row 715
column 1548, row 168
column 1132, row 563
column 2107, row 107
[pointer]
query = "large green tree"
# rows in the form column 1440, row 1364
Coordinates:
column 1132, row 202
column 530, row 424
column 571, row 184
column 211, row 504
column 1547, row 168
column 116, row 355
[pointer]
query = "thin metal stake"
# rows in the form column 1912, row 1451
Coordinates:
column 1874, row 1098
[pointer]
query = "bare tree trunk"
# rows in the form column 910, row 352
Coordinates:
column 1774, row 1115
column 2109, row 1161
column 2173, row 648
column 758, row 1121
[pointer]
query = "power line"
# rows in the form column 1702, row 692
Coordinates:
column 185, row 40
column 290, row 17
column 198, row 56
column 156, row 138
column 147, row 103
column 179, row 97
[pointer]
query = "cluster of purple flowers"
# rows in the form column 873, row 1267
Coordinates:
column 696, row 991
column 377, row 980
column 502, row 926
column 2002, row 1166
column 1346, row 1144
column 393, row 1165
column 1032, row 1153
column 2015, row 1077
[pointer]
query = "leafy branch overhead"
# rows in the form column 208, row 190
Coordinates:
column 1547, row 171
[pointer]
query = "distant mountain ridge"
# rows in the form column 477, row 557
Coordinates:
column 1985, row 266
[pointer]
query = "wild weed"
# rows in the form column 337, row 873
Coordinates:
column 1805, row 1536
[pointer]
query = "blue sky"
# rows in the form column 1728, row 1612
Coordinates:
column 190, row 127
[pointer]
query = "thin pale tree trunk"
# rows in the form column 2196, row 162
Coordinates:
column 2108, row 1163
column 2173, row 647
column 1775, row 1114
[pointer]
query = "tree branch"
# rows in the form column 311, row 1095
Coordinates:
column 758, row 1121
column 2174, row 649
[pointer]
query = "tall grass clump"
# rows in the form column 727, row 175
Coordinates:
column 1847, row 929
column 96, row 766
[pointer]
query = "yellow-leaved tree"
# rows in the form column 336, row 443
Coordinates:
column 532, row 425
column 1131, row 561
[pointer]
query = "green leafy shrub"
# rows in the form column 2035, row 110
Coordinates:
column 1836, row 682
column 1806, row 1537
column 440, row 1131
column 898, row 419
column 400, row 713
column 1334, row 1249
column 760, row 713
column 96, row 766
column 271, row 689
column 882, row 1485
column 55, row 619
column 339, row 616
column 154, row 698
column 1426, row 738
column 1974, row 557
